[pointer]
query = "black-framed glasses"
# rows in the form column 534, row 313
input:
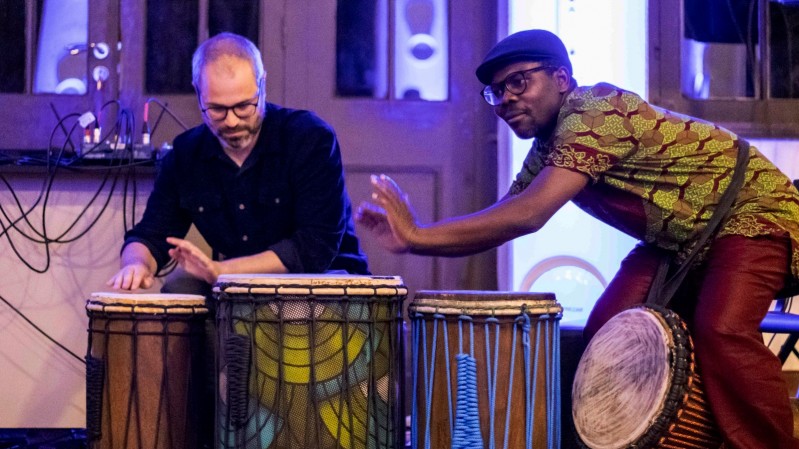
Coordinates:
column 515, row 83
column 242, row 110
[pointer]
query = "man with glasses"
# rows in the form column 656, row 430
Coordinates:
column 262, row 184
column 653, row 174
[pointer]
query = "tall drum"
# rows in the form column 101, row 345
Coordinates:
column 485, row 369
column 311, row 361
column 144, row 371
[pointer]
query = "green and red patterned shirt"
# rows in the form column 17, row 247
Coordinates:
column 658, row 175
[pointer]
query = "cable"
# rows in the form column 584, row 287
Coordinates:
column 45, row 334
column 165, row 109
column 18, row 220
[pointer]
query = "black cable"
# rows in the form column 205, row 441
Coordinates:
column 164, row 108
column 122, row 129
column 63, row 128
column 45, row 334
column 118, row 169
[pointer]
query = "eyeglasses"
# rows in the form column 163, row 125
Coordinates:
column 515, row 83
column 241, row 110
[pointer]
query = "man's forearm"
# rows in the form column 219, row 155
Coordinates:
column 264, row 262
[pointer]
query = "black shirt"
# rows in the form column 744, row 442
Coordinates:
column 288, row 196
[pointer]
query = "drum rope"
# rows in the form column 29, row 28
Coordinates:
column 237, row 356
column 530, row 384
column 133, row 394
column 549, row 367
column 428, row 381
column 448, row 367
column 164, row 393
column 467, row 422
column 95, row 372
column 554, row 400
column 548, row 378
column 492, row 365
column 510, row 390
column 415, row 326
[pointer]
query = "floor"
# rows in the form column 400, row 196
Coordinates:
column 43, row 439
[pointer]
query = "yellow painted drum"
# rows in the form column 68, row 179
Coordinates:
column 144, row 373
column 311, row 361
column 486, row 369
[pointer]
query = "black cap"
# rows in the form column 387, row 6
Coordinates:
column 528, row 45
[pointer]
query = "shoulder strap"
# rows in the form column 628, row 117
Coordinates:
column 662, row 289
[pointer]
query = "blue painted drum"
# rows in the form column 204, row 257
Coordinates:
column 310, row 361
column 486, row 369
column 637, row 385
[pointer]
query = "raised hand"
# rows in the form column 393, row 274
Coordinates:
column 389, row 217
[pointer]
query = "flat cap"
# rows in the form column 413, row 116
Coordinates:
column 528, row 45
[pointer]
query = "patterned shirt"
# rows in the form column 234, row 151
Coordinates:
column 658, row 175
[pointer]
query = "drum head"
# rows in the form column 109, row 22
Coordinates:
column 623, row 379
column 145, row 303
column 303, row 284
column 484, row 303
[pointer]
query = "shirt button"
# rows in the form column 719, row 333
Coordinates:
column 200, row 209
column 241, row 206
column 244, row 238
column 277, row 200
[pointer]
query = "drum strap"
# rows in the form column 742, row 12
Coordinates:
column 662, row 289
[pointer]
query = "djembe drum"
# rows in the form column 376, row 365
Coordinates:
column 311, row 361
column 637, row 386
column 143, row 371
column 485, row 369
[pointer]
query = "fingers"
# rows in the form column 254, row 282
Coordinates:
column 385, row 186
column 388, row 194
column 131, row 277
column 186, row 252
column 369, row 215
column 193, row 260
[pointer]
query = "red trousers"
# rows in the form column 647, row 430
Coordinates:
column 723, row 302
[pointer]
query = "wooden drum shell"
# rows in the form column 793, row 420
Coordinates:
column 637, row 385
column 144, row 371
column 431, row 311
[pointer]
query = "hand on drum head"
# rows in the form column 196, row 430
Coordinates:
column 391, row 220
column 132, row 277
column 193, row 260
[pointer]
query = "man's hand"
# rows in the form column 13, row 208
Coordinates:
column 193, row 260
column 391, row 220
column 132, row 277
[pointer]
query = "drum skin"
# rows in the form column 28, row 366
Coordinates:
column 489, row 328
column 144, row 373
column 310, row 361
column 637, row 386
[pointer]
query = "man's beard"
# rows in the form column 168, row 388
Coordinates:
column 239, row 140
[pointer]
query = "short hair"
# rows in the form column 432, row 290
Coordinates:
column 225, row 44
